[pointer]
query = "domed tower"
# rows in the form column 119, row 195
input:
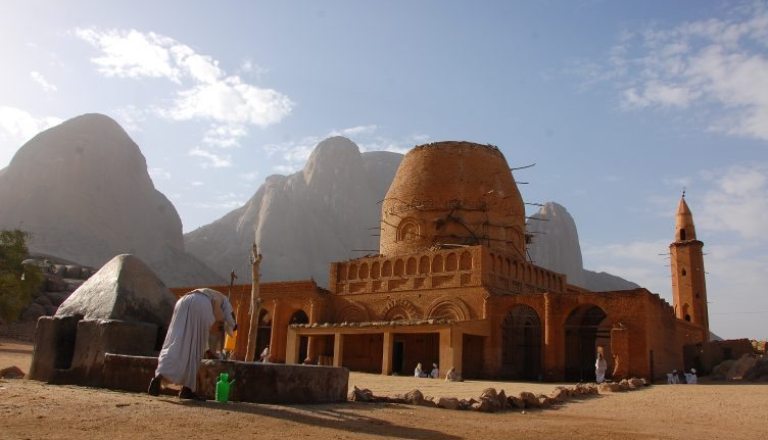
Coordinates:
column 452, row 194
column 689, row 288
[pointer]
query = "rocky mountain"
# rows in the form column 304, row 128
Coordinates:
column 82, row 189
column 555, row 242
column 604, row 282
column 328, row 211
column 555, row 246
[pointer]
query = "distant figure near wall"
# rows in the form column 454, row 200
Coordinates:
column 600, row 368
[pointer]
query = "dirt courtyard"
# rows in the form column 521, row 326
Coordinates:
column 34, row 410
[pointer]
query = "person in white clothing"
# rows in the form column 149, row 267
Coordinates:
column 601, row 365
column 691, row 377
column 264, row 356
column 186, row 341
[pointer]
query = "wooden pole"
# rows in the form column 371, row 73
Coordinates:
column 253, row 328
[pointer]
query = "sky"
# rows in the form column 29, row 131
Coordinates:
column 620, row 104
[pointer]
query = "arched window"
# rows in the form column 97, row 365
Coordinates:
column 424, row 265
column 399, row 267
column 437, row 264
column 410, row 266
column 451, row 262
column 409, row 230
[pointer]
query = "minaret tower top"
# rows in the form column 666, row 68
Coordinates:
column 689, row 288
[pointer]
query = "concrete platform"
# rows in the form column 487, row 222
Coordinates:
column 254, row 382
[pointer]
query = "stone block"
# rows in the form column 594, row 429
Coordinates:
column 128, row 373
column 448, row 403
column 96, row 338
column 54, row 346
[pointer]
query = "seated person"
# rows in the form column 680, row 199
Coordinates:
column 435, row 373
column 691, row 377
column 418, row 371
column 452, row 376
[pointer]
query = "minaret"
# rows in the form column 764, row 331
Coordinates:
column 689, row 288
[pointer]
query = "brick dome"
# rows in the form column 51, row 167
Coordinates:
column 451, row 194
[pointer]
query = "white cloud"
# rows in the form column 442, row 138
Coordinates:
column 132, row 54
column 206, row 92
column 356, row 131
column 296, row 152
column 42, row 82
column 230, row 101
column 285, row 169
column 213, row 160
column 130, row 117
column 221, row 201
column 738, row 201
column 249, row 177
column 250, row 67
column 224, row 136
column 719, row 65
column 17, row 127
column 159, row 174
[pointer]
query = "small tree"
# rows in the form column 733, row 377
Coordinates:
column 17, row 282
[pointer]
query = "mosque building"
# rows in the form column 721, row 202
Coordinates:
column 451, row 285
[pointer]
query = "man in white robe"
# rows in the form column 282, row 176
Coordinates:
column 187, row 339
column 601, row 366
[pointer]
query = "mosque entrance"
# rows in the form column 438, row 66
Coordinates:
column 264, row 332
column 584, row 332
column 521, row 344
column 301, row 318
column 409, row 349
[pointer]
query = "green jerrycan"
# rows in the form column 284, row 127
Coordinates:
column 222, row 387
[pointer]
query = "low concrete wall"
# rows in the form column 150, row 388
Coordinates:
column 275, row 383
column 254, row 382
column 128, row 373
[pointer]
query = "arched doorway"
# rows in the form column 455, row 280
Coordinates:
column 584, row 332
column 299, row 317
column 264, row 333
column 521, row 344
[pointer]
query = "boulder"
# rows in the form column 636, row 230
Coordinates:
column 125, row 289
column 414, row 397
column 560, row 394
column 609, row 387
column 448, row 403
column 529, row 399
column 516, row 402
column 484, row 405
column 544, row 401
column 361, row 395
column 740, row 368
column 12, row 372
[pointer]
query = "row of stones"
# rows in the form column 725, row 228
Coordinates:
column 492, row 401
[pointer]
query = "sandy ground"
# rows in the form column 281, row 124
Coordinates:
column 33, row 410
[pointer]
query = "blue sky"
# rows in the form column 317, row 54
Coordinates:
column 620, row 104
